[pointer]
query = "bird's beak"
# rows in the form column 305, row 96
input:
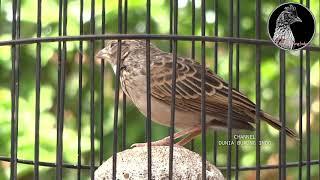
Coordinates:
column 298, row 19
column 102, row 54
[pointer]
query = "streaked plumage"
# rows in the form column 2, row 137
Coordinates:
column 188, row 89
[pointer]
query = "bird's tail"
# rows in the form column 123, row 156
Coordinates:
column 274, row 122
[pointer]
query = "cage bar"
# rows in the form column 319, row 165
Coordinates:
column 87, row 167
column 193, row 29
column 216, row 34
column 230, row 87
column 308, row 107
column 308, row 114
column 203, row 91
column 232, row 167
column 301, row 77
column 237, row 83
column 92, row 78
column 258, row 87
column 174, row 9
column 102, row 71
column 124, row 96
column 116, row 100
column 171, row 27
column 251, row 41
column 37, row 102
column 15, row 55
column 319, row 101
column 282, row 137
column 79, row 115
column 61, row 86
column 148, row 80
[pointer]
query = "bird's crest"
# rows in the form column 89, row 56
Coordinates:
column 290, row 8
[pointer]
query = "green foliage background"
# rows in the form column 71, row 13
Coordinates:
column 135, row 127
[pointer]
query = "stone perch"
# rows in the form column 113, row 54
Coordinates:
column 132, row 165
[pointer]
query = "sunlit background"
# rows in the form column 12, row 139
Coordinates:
column 160, row 17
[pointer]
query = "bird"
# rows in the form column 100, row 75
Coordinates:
column 283, row 35
column 133, row 77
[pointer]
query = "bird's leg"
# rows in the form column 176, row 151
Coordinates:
column 187, row 139
column 166, row 141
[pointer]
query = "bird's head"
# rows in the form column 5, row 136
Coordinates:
column 110, row 52
column 288, row 16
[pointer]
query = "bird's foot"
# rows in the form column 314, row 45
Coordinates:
column 191, row 132
column 162, row 142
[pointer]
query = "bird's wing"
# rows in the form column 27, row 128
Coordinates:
column 188, row 93
column 188, row 77
column 188, row 89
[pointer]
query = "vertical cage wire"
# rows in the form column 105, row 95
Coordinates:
column 282, row 138
column 116, row 101
column 171, row 27
column 308, row 107
column 308, row 113
column 58, row 146
column 215, row 136
column 282, row 145
column 230, row 87
column 37, row 108
column 258, row 87
column 124, row 97
column 61, row 81
column 237, row 83
column 62, row 59
column 92, row 78
column 319, row 101
column 148, row 80
column 301, row 77
column 15, row 53
column 174, row 9
column 79, row 113
column 102, row 71
column 203, row 91
column 193, row 28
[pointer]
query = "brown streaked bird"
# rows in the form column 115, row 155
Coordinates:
column 188, row 91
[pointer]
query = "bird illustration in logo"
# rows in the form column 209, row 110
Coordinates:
column 283, row 35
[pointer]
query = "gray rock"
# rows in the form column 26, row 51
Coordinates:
column 132, row 164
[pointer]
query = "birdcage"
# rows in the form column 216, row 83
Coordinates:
column 67, row 114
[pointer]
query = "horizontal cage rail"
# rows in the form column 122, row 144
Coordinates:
column 146, row 36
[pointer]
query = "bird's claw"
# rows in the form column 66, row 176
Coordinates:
column 138, row 145
column 156, row 143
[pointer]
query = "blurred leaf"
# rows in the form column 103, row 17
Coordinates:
column 248, row 159
column 314, row 74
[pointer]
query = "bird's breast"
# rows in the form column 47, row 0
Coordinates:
column 283, row 36
column 136, row 89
